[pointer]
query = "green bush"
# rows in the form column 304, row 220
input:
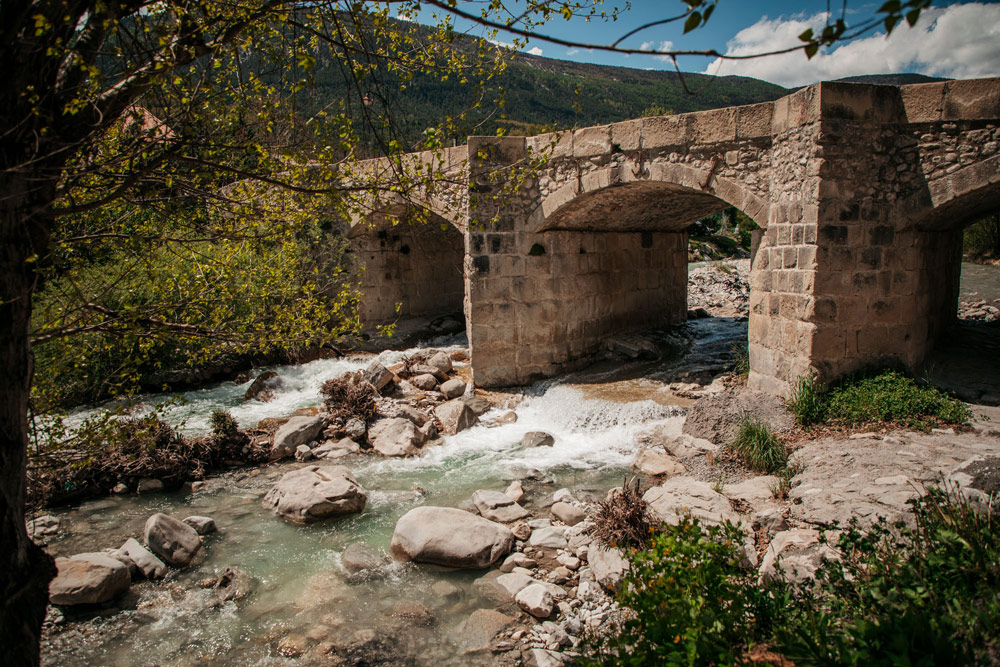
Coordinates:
column 924, row 592
column 692, row 602
column 920, row 594
column 875, row 397
column 758, row 447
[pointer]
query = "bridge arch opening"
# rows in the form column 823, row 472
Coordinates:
column 411, row 261
column 609, row 261
column 960, row 250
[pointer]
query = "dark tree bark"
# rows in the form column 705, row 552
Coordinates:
column 25, row 569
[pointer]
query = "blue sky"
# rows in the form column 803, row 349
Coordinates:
column 952, row 39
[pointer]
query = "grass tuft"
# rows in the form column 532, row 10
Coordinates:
column 758, row 446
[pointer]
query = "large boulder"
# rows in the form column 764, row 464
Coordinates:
column 335, row 449
column 296, row 431
column 678, row 496
column 455, row 416
column 608, row 565
column 479, row 629
column 536, row 600
column 88, row 578
column 315, row 493
column 424, row 381
column 453, row 388
column 396, row 436
column 450, row 537
column 379, row 376
column 150, row 566
column 262, row 389
column 497, row 506
column 441, row 363
column 656, row 464
column 172, row 540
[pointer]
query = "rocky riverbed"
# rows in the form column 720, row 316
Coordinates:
column 455, row 528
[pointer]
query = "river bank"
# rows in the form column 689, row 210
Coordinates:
column 298, row 599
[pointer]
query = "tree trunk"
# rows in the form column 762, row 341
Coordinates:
column 25, row 569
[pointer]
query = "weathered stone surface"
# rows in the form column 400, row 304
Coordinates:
column 455, row 416
column 315, row 493
column 88, row 578
column 378, row 375
column 656, row 464
column 517, row 559
column 717, row 417
column 42, row 526
column 608, row 565
column 359, row 557
column 552, row 537
column 424, row 381
column 335, row 449
column 202, row 525
column 150, row 566
column 477, row 404
column 412, row 612
column 497, row 506
column 476, row 633
column 149, row 486
column 536, row 600
column 798, row 553
column 441, row 363
column 450, row 537
column 537, row 439
column 515, row 491
column 514, row 582
column 296, row 431
column 303, row 453
column 568, row 514
column 172, row 540
column 396, row 436
column 453, row 388
column 678, row 496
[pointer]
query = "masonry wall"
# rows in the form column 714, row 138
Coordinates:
column 419, row 269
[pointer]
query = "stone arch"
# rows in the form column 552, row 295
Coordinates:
column 669, row 197
column 954, row 200
column 411, row 264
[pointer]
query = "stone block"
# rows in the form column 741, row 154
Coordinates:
column 662, row 131
column 553, row 145
column 592, row 141
column 627, row 135
column 754, row 120
column 973, row 99
column 715, row 126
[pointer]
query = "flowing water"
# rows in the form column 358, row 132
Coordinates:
column 300, row 596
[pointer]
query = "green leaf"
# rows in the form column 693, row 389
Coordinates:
column 812, row 49
column 890, row 7
column 912, row 16
column 890, row 23
column 806, row 36
column 692, row 22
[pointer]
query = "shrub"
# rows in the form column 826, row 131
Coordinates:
column 876, row 397
column 758, row 446
column 741, row 360
column 920, row 594
column 224, row 425
column 623, row 519
column 690, row 601
column 348, row 397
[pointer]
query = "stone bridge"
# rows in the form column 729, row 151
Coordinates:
column 552, row 243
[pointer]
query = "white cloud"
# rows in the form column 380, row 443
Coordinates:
column 959, row 42
column 503, row 45
column 572, row 51
column 661, row 46
column 535, row 51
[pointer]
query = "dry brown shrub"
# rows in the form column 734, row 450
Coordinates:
column 348, row 396
column 623, row 519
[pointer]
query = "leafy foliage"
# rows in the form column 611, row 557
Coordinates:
column 982, row 238
column 758, row 446
column 690, row 601
column 875, row 397
column 924, row 592
column 108, row 450
column 920, row 594
column 623, row 519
